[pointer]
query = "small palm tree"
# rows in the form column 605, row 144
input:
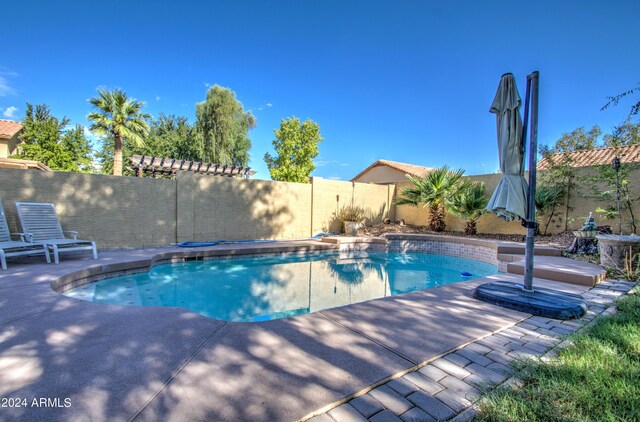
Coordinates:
column 121, row 118
column 431, row 191
column 469, row 203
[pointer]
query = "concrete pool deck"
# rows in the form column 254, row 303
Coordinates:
column 148, row 363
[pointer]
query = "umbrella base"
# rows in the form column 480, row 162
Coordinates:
column 541, row 302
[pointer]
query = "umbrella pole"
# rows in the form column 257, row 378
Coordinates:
column 532, row 82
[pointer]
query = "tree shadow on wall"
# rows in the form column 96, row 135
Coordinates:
column 113, row 211
column 239, row 209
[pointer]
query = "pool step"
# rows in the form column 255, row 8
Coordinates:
column 519, row 249
column 562, row 269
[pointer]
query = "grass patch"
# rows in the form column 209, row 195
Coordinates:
column 597, row 378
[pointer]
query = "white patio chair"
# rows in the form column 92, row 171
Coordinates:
column 10, row 247
column 40, row 224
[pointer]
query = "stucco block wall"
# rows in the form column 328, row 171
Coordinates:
column 582, row 202
column 568, row 216
column 114, row 211
column 329, row 196
column 121, row 212
column 488, row 223
column 214, row 208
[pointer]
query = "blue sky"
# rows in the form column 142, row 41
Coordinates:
column 409, row 81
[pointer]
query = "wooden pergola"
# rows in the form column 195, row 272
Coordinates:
column 162, row 166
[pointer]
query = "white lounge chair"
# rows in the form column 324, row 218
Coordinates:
column 40, row 224
column 10, row 248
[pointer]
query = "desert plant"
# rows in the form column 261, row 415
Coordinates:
column 431, row 191
column 351, row 212
column 469, row 203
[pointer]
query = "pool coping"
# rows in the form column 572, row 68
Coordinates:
column 175, row 392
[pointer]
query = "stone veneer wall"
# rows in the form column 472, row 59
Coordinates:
column 483, row 251
column 476, row 249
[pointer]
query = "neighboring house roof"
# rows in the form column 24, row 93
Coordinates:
column 593, row 157
column 8, row 128
column 15, row 163
column 410, row 169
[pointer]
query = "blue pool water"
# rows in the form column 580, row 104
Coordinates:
column 262, row 288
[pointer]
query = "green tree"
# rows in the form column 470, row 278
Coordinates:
column 296, row 145
column 625, row 134
column 469, row 204
column 47, row 139
column 118, row 118
column 604, row 186
column 555, row 184
column 548, row 197
column 576, row 140
column 169, row 136
column 223, row 127
column 431, row 191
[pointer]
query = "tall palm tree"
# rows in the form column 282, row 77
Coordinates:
column 120, row 117
column 469, row 204
column 432, row 191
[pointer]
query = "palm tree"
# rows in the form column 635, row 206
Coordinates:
column 119, row 117
column 469, row 204
column 431, row 191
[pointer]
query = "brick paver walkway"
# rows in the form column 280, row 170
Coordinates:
column 448, row 387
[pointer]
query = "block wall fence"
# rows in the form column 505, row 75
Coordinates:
column 123, row 212
column 569, row 215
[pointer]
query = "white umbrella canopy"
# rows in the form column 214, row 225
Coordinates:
column 509, row 200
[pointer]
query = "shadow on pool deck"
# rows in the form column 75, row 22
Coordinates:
column 119, row 363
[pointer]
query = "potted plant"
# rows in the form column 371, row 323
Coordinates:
column 352, row 218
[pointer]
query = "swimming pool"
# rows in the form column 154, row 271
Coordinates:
column 271, row 287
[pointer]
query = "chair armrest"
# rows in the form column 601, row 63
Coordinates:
column 72, row 233
column 25, row 237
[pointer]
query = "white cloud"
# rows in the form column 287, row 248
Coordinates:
column 5, row 89
column 206, row 84
column 263, row 106
column 10, row 112
column 157, row 98
column 322, row 163
column 334, row 178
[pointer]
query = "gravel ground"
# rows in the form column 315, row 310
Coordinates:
column 562, row 240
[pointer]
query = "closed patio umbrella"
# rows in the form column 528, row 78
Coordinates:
column 513, row 198
column 509, row 200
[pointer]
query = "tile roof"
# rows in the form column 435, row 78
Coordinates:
column 411, row 169
column 595, row 157
column 8, row 128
